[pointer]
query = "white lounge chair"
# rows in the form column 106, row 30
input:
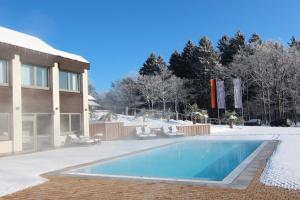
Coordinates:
column 175, row 130
column 144, row 134
column 148, row 132
column 166, row 130
column 72, row 139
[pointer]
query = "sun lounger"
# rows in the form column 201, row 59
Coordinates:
column 148, row 132
column 144, row 134
column 72, row 139
column 175, row 130
column 166, row 131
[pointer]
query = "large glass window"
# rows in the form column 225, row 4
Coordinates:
column 41, row 77
column 63, row 80
column 27, row 75
column 34, row 76
column 70, row 123
column 74, row 79
column 3, row 72
column 4, row 127
column 69, row 81
column 64, row 123
column 75, row 122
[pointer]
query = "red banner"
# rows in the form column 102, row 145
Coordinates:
column 213, row 93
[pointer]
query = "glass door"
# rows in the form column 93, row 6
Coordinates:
column 28, row 133
column 37, row 132
column 44, row 131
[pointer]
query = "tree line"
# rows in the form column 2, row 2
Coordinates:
column 269, row 72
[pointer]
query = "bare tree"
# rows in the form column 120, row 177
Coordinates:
column 179, row 91
column 148, row 86
column 165, row 87
column 271, row 68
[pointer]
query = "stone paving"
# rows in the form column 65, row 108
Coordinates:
column 65, row 188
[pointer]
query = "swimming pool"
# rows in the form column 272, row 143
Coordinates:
column 188, row 160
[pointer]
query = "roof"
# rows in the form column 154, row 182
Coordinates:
column 91, row 98
column 30, row 42
column 92, row 103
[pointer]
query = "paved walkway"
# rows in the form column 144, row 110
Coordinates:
column 22, row 171
column 67, row 188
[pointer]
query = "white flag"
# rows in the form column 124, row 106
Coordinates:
column 220, row 95
column 237, row 93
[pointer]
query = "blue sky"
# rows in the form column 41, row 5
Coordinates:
column 116, row 36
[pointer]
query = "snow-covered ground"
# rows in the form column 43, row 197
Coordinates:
column 153, row 123
column 23, row 171
column 283, row 169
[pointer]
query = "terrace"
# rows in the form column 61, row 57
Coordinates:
column 29, row 176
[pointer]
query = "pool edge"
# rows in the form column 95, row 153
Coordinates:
column 239, row 178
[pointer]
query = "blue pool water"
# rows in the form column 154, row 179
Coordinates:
column 197, row 160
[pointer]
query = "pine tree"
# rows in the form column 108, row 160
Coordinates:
column 161, row 64
column 203, row 69
column 188, row 58
column 294, row 43
column 236, row 43
column 223, row 46
column 150, row 67
column 177, row 65
column 255, row 38
column 230, row 46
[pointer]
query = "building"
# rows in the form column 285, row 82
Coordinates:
column 93, row 105
column 43, row 94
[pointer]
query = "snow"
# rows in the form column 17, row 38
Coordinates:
column 282, row 170
column 12, row 37
column 137, row 121
column 22, row 171
column 283, row 167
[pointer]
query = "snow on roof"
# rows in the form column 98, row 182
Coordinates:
column 91, row 98
column 30, row 42
column 93, row 103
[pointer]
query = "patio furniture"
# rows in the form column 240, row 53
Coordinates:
column 98, row 137
column 148, row 132
column 73, row 139
column 175, row 130
column 166, row 131
column 144, row 134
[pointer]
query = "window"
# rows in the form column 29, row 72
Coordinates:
column 64, row 123
column 35, row 76
column 41, row 77
column 69, row 81
column 3, row 72
column 4, row 127
column 70, row 123
column 27, row 75
column 75, row 122
column 63, row 80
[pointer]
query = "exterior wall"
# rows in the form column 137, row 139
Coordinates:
column 36, row 100
column 17, row 100
column 6, row 147
column 55, row 105
column 70, row 102
column 85, row 103
column 16, row 104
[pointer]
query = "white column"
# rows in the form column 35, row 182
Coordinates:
column 16, row 103
column 56, row 105
column 85, row 113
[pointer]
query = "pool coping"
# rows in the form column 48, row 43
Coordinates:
column 239, row 178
